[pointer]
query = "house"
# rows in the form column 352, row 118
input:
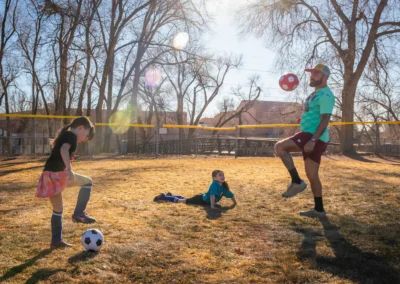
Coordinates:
column 261, row 112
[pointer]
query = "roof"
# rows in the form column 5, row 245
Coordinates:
column 261, row 112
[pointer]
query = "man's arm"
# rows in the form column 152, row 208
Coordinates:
column 325, row 118
column 324, row 121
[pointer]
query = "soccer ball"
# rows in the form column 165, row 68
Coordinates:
column 92, row 240
column 289, row 82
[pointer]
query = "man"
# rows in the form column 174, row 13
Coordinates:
column 312, row 139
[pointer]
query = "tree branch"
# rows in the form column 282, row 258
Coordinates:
column 339, row 11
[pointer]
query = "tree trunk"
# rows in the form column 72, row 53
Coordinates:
column 32, row 128
column 63, row 83
column 347, row 131
column 378, row 138
column 179, row 118
column 99, row 119
column 8, row 126
column 108, row 131
column 89, row 101
column 87, row 73
column 99, row 113
column 133, row 109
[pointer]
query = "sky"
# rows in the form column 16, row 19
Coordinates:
column 223, row 39
column 257, row 57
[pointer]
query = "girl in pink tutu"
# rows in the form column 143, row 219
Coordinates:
column 58, row 175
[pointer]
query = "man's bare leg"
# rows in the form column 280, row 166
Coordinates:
column 312, row 169
column 283, row 149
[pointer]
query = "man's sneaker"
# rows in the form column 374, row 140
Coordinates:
column 294, row 189
column 83, row 218
column 60, row 244
column 159, row 197
column 313, row 214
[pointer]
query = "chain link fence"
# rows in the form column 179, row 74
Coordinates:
column 32, row 137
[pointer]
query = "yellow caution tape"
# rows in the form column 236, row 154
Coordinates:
column 182, row 126
column 350, row 123
column 195, row 126
column 388, row 122
column 220, row 128
column 267, row 125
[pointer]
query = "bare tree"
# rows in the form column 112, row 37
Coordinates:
column 210, row 82
column 122, row 14
column 162, row 20
column 68, row 15
column 197, row 82
column 151, row 25
column 90, row 8
column 246, row 100
column 343, row 34
column 30, row 32
column 379, row 99
column 153, row 107
column 8, row 67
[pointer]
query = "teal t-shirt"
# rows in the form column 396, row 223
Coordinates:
column 319, row 102
column 218, row 190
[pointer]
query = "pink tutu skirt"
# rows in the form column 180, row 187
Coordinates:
column 51, row 183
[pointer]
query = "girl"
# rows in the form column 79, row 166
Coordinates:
column 218, row 188
column 58, row 175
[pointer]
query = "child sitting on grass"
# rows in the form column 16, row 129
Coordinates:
column 218, row 188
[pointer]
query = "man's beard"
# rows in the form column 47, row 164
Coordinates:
column 315, row 83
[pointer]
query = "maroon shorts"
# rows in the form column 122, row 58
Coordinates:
column 301, row 140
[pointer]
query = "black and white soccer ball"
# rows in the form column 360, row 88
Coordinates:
column 92, row 240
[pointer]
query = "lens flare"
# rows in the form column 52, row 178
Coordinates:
column 153, row 77
column 120, row 120
column 180, row 40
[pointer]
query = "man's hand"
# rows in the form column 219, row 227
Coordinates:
column 309, row 147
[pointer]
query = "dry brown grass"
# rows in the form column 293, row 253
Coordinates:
column 262, row 240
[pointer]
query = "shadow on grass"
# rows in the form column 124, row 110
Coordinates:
column 394, row 160
column 211, row 214
column 349, row 261
column 360, row 158
column 16, row 187
column 5, row 165
column 8, row 159
column 7, row 172
column 140, row 169
column 19, row 268
column 82, row 256
column 217, row 212
column 369, row 175
column 42, row 274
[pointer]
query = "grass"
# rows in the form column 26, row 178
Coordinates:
column 262, row 240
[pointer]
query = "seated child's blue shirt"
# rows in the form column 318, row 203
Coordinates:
column 218, row 190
